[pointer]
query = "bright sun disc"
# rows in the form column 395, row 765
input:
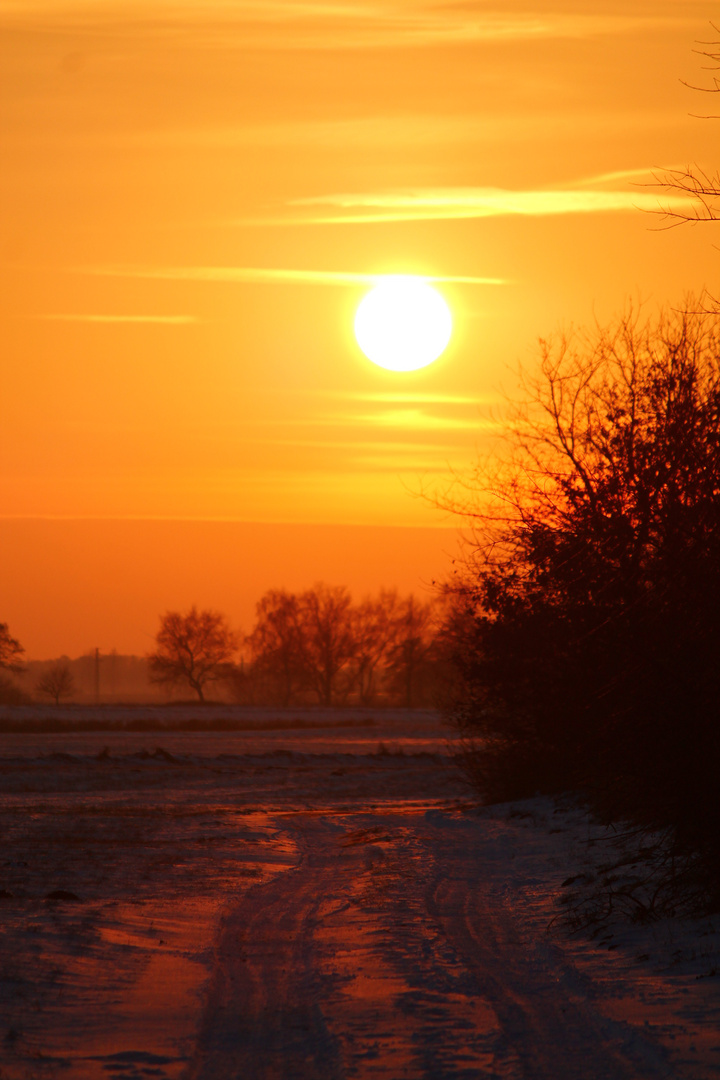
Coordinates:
column 403, row 324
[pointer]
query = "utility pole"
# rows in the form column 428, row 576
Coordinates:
column 113, row 674
column 97, row 676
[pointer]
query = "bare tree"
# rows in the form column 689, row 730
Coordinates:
column 373, row 627
column 412, row 640
column 701, row 188
column 328, row 640
column 10, row 653
column 56, row 683
column 193, row 649
column 10, row 650
column 276, row 645
column 593, row 580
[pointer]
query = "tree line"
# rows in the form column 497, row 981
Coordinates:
column 312, row 647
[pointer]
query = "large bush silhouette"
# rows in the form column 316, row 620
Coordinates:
column 593, row 580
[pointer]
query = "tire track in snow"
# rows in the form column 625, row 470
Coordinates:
column 263, row 1020
column 399, row 956
column 553, row 1030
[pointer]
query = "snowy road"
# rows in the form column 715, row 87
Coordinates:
column 392, row 951
column 317, row 909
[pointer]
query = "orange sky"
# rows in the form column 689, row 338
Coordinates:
column 195, row 196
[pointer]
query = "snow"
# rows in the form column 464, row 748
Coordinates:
column 319, row 902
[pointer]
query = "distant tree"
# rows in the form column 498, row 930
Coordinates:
column 328, row 641
column 10, row 650
column 409, row 649
column 373, row 629
column 56, row 683
column 11, row 694
column 276, row 645
column 244, row 685
column 193, row 649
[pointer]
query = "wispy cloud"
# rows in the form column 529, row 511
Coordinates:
column 265, row 276
column 407, row 398
column 637, row 176
column 374, row 132
column 419, row 420
column 297, row 24
column 394, row 447
column 408, row 419
column 166, row 320
column 438, row 204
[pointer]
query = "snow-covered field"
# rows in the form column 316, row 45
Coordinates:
column 320, row 901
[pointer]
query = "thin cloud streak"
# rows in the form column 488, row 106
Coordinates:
column 636, row 175
column 373, row 131
column 378, row 446
column 259, row 24
column 408, row 399
column 408, row 418
column 263, row 276
column 418, row 420
column 403, row 417
column 459, row 203
column 167, row 320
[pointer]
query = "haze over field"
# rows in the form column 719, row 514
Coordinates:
column 78, row 585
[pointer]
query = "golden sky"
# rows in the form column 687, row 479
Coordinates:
column 196, row 194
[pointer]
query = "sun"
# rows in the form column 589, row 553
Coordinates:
column 403, row 324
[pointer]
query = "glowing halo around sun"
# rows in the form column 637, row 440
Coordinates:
column 403, row 324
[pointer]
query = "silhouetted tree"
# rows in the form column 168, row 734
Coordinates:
column 328, row 640
column 702, row 188
column 276, row 646
column 193, row 649
column 373, row 629
column 57, row 682
column 10, row 653
column 593, row 577
column 319, row 645
column 409, row 649
column 10, row 650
